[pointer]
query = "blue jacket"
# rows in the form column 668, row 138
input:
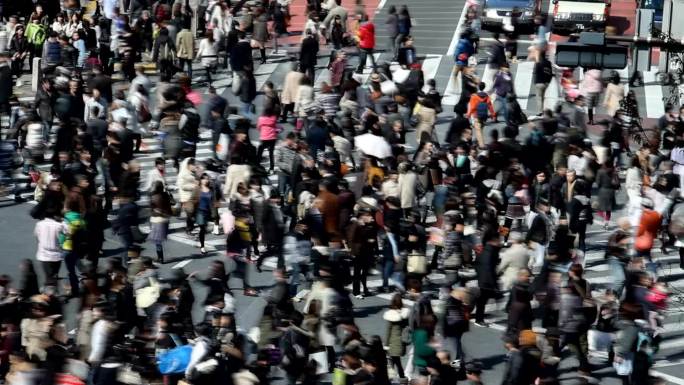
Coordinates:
column 464, row 49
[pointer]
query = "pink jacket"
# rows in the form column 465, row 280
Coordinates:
column 268, row 127
column 592, row 82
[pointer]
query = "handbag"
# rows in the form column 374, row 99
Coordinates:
column 236, row 83
column 339, row 377
column 175, row 360
column 321, row 359
column 137, row 235
column 126, row 375
column 625, row 367
column 222, row 147
column 148, row 295
column 406, row 337
column 453, row 262
column 417, row 264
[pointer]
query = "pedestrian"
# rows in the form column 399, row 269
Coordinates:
column 308, row 54
column 366, row 43
column 185, row 49
column 162, row 211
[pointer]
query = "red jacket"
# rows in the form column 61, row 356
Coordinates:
column 367, row 35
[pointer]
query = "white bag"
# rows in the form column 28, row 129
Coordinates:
column 625, row 367
column 321, row 359
column 222, row 147
column 599, row 341
column 237, row 82
column 388, row 88
column 148, row 295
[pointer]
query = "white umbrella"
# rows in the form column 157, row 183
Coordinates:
column 373, row 145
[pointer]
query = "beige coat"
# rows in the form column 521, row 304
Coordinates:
column 513, row 259
column 613, row 95
column 185, row 45
column 407, row 189
column 186, row 182
column 291, row 87
column 426, row 121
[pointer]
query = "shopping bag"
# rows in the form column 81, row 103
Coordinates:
column 624, row 367
column 417, row 264
column 321, row 359
column 175, row 360
column 148, row 295
column 222, row 147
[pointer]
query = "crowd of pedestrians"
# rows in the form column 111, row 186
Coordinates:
column 500, row 210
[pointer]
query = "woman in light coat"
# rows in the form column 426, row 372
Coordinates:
column 207, row 53
column 407, row 186
column 592, row 85
column 304, row 98
column 614, row 94
column 187, row 185
column 427, row 116
column 290, row 90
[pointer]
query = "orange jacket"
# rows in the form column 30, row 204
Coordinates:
column 476, row 99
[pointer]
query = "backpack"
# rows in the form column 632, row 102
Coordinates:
column 294, row 352
column 190, row 127
column 36, row 34
column 162, row 11
column 482, row 109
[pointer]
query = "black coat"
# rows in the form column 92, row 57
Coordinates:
column 241, row 56
column 523, row 366
column 309, row 52
column 485, row 265
column 273, row 225
column 248, row 89
column 6, row 84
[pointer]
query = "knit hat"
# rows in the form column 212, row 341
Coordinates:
column 527, row 338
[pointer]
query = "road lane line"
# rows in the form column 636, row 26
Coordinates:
column 523, row 82
column 181, row 264
column 430, row 66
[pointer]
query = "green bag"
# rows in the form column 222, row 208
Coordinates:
column 339, row 377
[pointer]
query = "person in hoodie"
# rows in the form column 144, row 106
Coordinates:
column 480, row 108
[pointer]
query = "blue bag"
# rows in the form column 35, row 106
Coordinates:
column 175, row 360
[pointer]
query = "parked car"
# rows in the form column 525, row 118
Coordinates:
column 580, row 15
column 504, row 14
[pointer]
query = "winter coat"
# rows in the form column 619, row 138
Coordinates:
column 291, row 87
column 422, row 351
column 426, row 121
column 186, row 184
column 464, row 49
column 207, row 53
column 397, row 320
column 523, row 366
column 268, row 127
column 592, row 83
column 407, row 189
column 260, row 33
column 367, row 36
column 485, row 266
column 308, row 51
column 455, row 317
column 606, row 189
column 512, row 260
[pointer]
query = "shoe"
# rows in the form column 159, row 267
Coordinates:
column 216, row 230
column 359, row 296
column 19, row 199
column 19, row 83
column 367, row 294
column 203, row 250
column 481, row 324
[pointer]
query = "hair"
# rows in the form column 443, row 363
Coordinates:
column 577, row 269
column 481, row 86
column 397, row 303
column 74, row 202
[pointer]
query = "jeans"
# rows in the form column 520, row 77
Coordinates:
column 247, row 110
column 540, row 89
column 455, row 347
column 387, row 271
column 363, row 55
column 182, row 63
column 283, row 183
column 71, row 260
column 502, row 109
column 617, row 275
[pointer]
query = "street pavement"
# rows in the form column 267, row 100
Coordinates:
column 436, row 25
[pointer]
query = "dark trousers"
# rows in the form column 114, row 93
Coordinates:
column 363, row 54
column 309, row 70
column 485, row 296
column 51, row 270
column 577, row 343
column 360, row 275
column 270, row 146
column 70, row 261
column 182, row 63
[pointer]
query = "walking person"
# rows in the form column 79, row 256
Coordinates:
column 543, row 74
column 204, row 208
column 268, row 127
column 161, row 212
column 49, row 252
column 366, row 44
